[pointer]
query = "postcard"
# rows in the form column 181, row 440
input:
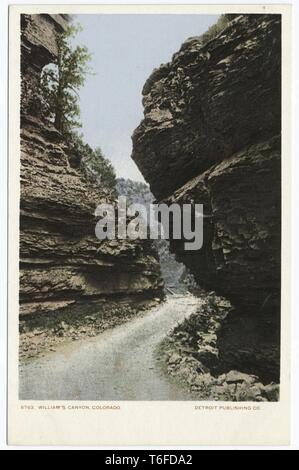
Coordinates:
column 149, row 225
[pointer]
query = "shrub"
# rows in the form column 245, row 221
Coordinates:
column 216, row 28
column 93, row 162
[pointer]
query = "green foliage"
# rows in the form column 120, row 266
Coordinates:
column 59, row 86
column 99, row 165
column 77, row 148
column 216, row 28
column 61, row 81
column 95, row 165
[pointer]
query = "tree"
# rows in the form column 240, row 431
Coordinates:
column 99, row 166
column 95, row 165
column 61, row 81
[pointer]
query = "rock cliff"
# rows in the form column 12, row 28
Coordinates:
column 211, row 135
column 61, row 260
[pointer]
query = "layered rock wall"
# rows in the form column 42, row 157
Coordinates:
column 209, row 102
column 211, row 135
column 61, row 260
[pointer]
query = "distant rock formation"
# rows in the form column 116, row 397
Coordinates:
column 211, row 135
column 61, row 260
column 173, row 272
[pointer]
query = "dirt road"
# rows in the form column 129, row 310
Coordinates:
column 118, row 364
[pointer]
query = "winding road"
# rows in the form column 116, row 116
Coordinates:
column 118, row 364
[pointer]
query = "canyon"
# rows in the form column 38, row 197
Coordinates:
column 210, row 135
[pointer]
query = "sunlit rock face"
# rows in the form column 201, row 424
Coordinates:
column 61, row 260
column 211, row 135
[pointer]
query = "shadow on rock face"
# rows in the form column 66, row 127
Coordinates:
column 250, row 342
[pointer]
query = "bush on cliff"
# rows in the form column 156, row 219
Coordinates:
column 216, row 28
column 99, row 167
column 93, row 162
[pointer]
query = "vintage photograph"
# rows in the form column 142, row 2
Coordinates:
column 150, row 207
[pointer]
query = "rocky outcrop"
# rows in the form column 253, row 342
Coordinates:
column 240, row 257
column 210, row 101
column 192, row 354
column 211, row 135
column 61, row 260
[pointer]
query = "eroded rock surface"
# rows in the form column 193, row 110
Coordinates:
column 195, row 354
column 61, row 260
column 210, row 101
column 211, row 135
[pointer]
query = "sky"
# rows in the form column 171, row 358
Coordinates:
column 125, row 49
